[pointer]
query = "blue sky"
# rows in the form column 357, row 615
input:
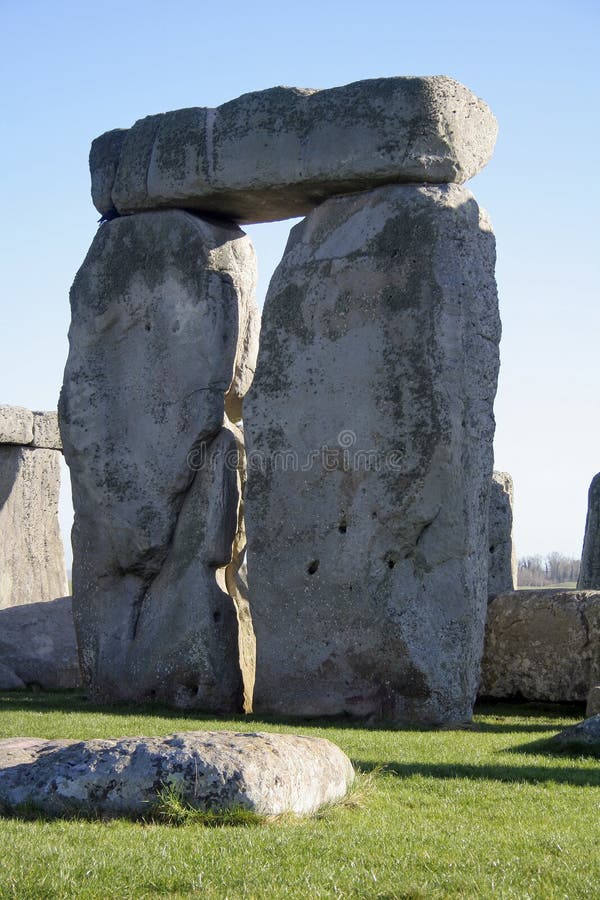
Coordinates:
column 71, row 70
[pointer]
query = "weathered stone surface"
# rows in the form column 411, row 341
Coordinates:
column 585, row 736
column 32, row 563
column 369, row 433
column 593, row 701
column 269, row 774
column 159, row 313
column 542, row 645
column 9, row 680
column 589, row 572
column 38, row 645
column 278, row 153
column 16, row 425
column 45, row 431
column 502, row 573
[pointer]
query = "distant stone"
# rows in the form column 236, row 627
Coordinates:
column 16, row 425
column 32, row 563
column 589, row 572
column 279, row 153
column 269, row 774
column 584, row 737
column 160, row 345
column 38, row 645
column 593, row 701
column 542, row 645
column 45, row 431
column 502, row 573
column 369, row 433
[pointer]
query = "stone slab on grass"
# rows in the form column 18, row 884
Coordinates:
column 269, row 774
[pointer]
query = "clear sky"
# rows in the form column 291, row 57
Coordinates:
column 71, row 70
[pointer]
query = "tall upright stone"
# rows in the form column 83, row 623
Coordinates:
column 369, row 432
column 502, row 573
column 32, row 561
column 589, row 572
column 162, row 309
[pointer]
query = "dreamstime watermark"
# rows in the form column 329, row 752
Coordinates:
column 345, row 456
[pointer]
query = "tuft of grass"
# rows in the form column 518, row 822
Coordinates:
column 433, row 813
column 171, row 808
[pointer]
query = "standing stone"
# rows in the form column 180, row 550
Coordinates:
column 369, row 431
column 502, row 573
column 589, row 572
column 32, row 562
column 278, row 153
column 160, row 312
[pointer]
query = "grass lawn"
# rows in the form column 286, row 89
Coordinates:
column 469, row 813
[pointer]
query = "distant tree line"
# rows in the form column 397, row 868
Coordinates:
column 543, row 571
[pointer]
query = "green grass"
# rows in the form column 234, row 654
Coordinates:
column 485, row 811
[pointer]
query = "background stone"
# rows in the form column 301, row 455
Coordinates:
column 38, row 645
column 45, row 430
column 32, row 563
column 369, row 433
column 589, row 572
column 503, row 568
column 278, row 153
column 16, row 425
column 542, row 645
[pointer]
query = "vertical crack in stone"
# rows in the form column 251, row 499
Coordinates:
column 237, row 585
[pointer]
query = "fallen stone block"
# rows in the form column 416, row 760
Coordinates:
column 278, row 153
column 38, row 645
column 582, row 738
column 542, row 645
column 269, row 774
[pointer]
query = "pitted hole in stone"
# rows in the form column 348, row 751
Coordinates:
column 148, row 326
column 313, row 566
column 390, row 562
column 216, row 616
column 343, row 526
column 374, row 514
column 492, row 549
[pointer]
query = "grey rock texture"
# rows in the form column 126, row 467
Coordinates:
column 38, row 645
column 160, row 311
column 16, row 425
column 589, row 572
column 269, row 774
column 9, row 680
column 369, row 432
column 593, row 701
column 503, row 568
column 278, row 153
column 542, row 645
column 45, row 431
column 32, row 563
column 583, row 737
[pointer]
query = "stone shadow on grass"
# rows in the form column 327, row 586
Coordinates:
column 577, row 777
